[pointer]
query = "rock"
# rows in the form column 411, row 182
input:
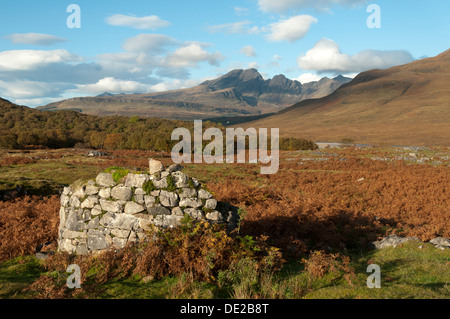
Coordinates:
column 74, row 222
column 191, row 202
column 133, row 208
column 93, row 223
column 149, row 201
column 69, row 234
column 211, row 204
column 139, row 191
column 194, row 213
column 158, row 211
column 74, row 201
column 97, row 210
column 181, row 179
column 105, row 180
column 96, row 240
column 119, row 242
column 188, row 193
column 66, row 191
column 393, row 241
column 96, row 153
column 147, row 279
column 101, row 214
column 120, row 233
column 168, row 199
column 155, row 166
column 107, row 219
column 174, row 168
column 79, row 192
column 122, row 193
column 82, row 249
column 214, row 216
column 136, row 180
column 124, row 221
column 440, row 241
column 64, row 200
column 110, row 206
column 177, row 211
column 139, row 199
column 91, row 190
column 204, row 194
column 105, row 193
column 161, row 184
column 90, row 202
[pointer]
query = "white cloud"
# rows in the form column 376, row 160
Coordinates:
column 191, row 55
column 22, row 60
column 149, row 22
column 281, row 6
column 154, row 43
column 241, row 27
column 177, row 84
column 277, row 57
column 326, row 57
column 19, row 89
column 308, row 77
column 291, row 29
column 35, row 38
column 253, row 65
column 248, row 50
column 112, row 85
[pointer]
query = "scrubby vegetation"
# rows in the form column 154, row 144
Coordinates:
column 23, row 127
column 305, row 231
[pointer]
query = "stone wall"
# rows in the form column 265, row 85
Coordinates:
column 102, row 213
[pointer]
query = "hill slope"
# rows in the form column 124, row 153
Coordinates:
column 407, row 104
column 237, row 93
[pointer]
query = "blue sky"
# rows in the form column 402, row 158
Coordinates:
column 149, row 46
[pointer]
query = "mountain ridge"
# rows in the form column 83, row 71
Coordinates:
column 238, row 93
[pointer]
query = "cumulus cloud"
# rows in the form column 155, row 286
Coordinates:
column 191, row 55
column 240, row 27
column 20, row 60
column 281, row 6
column 31, row 89
column 35, row 39
column 308, row 77
column 248, row 50
column 177, row 84
column 291, row 29
column 149, row 22
column 326, row 57
column 112, row 85
column 155, row 43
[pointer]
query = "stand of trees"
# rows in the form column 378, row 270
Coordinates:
column 22, row 127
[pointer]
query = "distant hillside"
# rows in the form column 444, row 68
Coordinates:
column 403, row 105
column 237, row 93
column 23, row 127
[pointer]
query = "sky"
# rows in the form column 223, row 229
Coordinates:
column 54, row 49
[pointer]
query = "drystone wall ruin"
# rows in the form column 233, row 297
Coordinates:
column 102, row 213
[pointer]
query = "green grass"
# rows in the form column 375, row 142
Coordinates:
column 43, row 178
column 17, row 274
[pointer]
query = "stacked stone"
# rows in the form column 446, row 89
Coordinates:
column 101, row 214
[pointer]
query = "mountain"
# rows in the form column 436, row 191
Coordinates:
column 237, row 93
column 403, row 105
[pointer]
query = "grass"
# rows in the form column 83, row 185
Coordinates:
column 407, row 272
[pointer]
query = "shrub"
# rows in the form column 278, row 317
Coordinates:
column 149, row 187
